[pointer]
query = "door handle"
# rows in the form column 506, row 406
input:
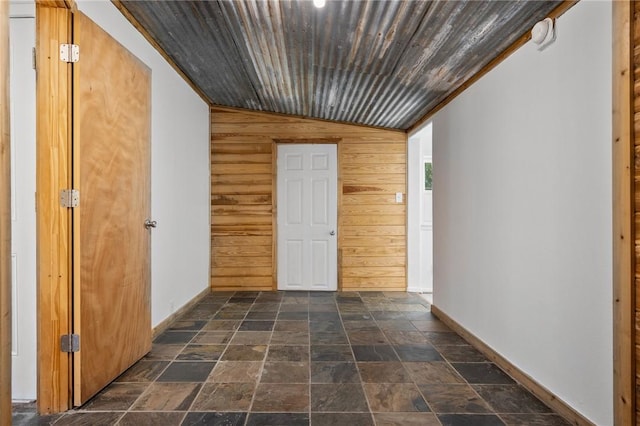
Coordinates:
column 150, row 223
column 332, row 233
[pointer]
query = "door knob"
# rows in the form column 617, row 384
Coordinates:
column 332, row 233
column 150, row 223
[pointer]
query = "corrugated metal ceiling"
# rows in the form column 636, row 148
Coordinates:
column 378, row 63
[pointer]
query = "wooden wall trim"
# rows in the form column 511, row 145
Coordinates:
column 62, row 4
column 138, row 26
column 308, row 140
column 5, row 221
column 53, row 159
column 339, row 182
column 623, row 232
column 518, row 375
column 521, row 41
column 274, row 214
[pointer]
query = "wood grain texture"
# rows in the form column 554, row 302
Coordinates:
column 62, row 4
column 624, row 374
column 545, row 395
column 626, row 344
column 371, row 225
column 5, row 221
column 112, row 171
column 53, row 165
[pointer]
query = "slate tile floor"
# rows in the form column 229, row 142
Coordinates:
column 306, row 358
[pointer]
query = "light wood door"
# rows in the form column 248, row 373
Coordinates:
column 307, row 217
column 111, row 287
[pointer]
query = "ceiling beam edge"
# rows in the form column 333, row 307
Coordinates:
column 302, row 117
column 123, row 9
column 521, row 41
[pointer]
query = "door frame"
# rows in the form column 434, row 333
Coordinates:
column 624, row 258
column 53, row 234
column 274, row 201
column 415, row 210
column 5, row 221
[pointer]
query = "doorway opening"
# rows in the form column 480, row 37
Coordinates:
column 420, row 212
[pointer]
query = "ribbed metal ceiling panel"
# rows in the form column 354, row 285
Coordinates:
column 379, row 63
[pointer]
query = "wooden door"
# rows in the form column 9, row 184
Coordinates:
column 111, row 286
column 307, row 217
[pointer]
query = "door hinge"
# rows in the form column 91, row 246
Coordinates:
column 69, row 53
column 33, row 58
column 69, row 343
column 69, row 198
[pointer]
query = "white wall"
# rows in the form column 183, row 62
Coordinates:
column 522, row 198
column 180, row 196
column 23, row 203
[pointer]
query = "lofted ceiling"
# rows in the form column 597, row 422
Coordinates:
column 380, row 63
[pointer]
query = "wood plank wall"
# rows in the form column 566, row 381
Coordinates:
column 371, row 225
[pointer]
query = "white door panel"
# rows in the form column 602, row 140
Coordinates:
column 319, row 264
column 23, row 215
column 294, row 206
column 294, row 253
column 307, row 217
column 319, row 206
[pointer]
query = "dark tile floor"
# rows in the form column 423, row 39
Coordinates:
column 301, row 358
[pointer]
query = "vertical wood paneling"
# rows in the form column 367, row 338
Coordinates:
column 371, row 225
column 53, row 145
column 5, row 221
column 624, row 234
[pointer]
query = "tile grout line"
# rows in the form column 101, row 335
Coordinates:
column 413, row 380
column 202, row 385
column 175, row 359
column 350, row 309
column 402, row 363
column 355, row 361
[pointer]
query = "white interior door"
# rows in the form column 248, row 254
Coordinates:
column 307, row 218
column 23, row 208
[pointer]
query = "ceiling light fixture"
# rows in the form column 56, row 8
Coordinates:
column 319, row 3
